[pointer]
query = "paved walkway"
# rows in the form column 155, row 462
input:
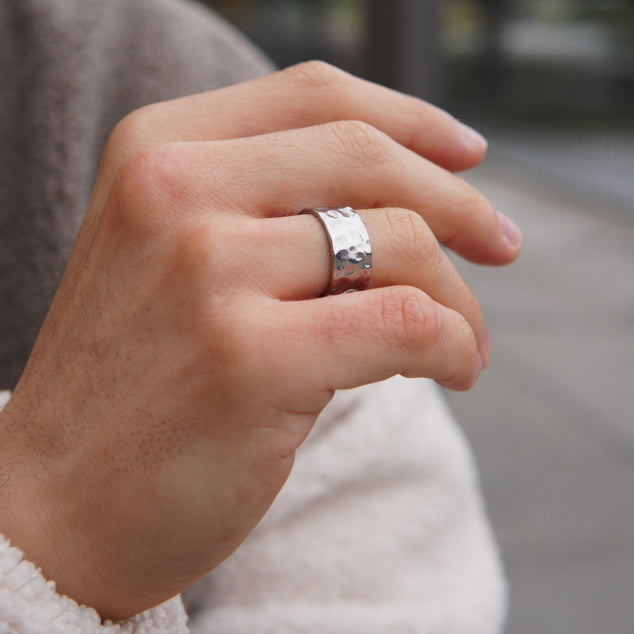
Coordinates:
column 551, row 420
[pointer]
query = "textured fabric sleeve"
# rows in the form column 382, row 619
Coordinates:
column 69, row 71
column 381, row 528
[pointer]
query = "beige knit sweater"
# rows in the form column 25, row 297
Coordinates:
column 380, row 528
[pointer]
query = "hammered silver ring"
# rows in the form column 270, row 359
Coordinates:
column 349, row 247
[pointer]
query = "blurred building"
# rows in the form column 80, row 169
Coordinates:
column 512, row 58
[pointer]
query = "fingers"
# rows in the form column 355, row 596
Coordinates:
column 345, row 341
column 294, row 261
column 347, row 163
column 306, row 95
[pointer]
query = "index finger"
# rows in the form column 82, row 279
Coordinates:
column 312, row 93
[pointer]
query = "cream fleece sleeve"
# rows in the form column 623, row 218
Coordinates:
column 30, row 605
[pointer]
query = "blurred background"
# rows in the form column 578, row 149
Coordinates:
column 551, row 84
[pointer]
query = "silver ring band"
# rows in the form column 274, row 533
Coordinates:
column 349, row 246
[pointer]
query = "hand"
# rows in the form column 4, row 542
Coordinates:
column 188, row 352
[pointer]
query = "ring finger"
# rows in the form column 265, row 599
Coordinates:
column 295, row 261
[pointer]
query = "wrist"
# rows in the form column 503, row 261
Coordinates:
column 33, row 511
column 52, row 513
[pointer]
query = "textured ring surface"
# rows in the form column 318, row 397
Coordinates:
column 349, row 246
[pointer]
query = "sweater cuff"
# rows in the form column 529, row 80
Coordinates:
column 30, row 605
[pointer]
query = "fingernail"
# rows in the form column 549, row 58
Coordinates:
column 510, row 231
column 473, row 139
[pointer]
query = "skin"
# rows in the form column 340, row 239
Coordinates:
column 188, row 350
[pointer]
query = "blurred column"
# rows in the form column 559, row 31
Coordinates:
column 491, row 63
column 403, row 46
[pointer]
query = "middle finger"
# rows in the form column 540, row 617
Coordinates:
column 346, row 163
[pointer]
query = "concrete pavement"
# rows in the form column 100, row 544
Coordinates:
column 551, row 420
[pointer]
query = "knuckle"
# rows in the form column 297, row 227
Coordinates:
column 468, row 197
column 147, row 186
column 468, row 202
column 194, row 251
column 362, row 143
column 462, row 376
column 224, row 341
column 214, row 248
column 415, row 239
column 132, row 131
column 408, row 317
column 130, row 126
column 213, row 318
column 223, row 243
column 218, row 341
column 315, row 75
